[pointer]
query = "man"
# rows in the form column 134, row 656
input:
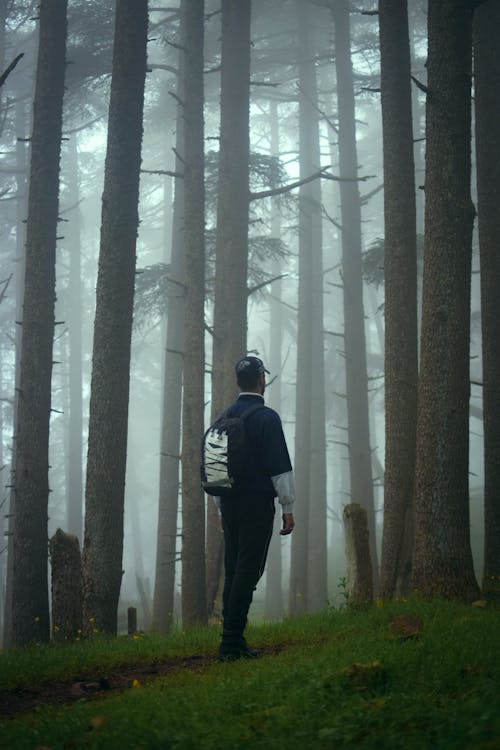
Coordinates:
column 248, row 513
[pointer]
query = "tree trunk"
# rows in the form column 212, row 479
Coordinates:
column 168, row 501
column 103, row 544
column 230, row 304
column 400, row 272
column 308, row 588
column 359, row 574
column 30, row 605
column 66, row 565
column 487, row 106
column 22, row 128
column 442, row 555
column 354, row 324
column 74, row 319
column 274, row 591
column 194, row 608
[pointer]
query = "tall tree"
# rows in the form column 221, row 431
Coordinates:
column 400, row 276
column 74, row 313
column 230, row 303
column 442, row 554
column 22, row 128
column 487, row 109
column 308, row 590
column 168, row 500
column 30, row 605
column 354, row 322
column 274, row 567
column 107, row 448
column 194, row 609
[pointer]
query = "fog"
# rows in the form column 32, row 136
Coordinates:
column 274, row 80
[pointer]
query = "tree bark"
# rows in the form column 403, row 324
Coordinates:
column 230, row 303
column 107, row 450
column 66, row 565
column 487, row 108
column 30, row 606
column 308, row 587
column 354, row 324
column 442, row 554
column 74, row 313
column 168, row 501
column 400, row 278
column 274, row 567
column 194, row 608
column 22, row 128
column 359, row 576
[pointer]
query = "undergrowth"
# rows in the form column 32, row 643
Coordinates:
column 343, row 680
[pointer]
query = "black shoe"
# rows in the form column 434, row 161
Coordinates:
column 233, row 652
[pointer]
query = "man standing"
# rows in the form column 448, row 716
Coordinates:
column 248, row 512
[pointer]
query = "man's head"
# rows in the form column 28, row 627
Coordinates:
column 251, row 374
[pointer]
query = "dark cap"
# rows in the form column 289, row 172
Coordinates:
column 252, row 366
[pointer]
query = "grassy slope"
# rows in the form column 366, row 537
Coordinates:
column 440, row 690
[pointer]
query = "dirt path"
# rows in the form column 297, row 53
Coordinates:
column 92, row 687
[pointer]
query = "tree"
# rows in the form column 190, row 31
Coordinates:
column 168, row 501
column 308, row 589
column 30, row 606
column 400, row 276
column 107, row 448
column 74, row 490
column 354, row 323
column 442, row 555
column 230, row 302
column 194, row 608
column 487, row 110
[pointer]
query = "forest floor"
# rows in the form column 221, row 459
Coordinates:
column 404, row 675
column 101, row 683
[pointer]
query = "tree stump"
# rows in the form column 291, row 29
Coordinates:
column 131, row 620
column 357, row 548
column 66, row 564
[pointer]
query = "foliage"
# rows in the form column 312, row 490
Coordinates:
column 373, row 261
column 343, row 679
column 152, row 288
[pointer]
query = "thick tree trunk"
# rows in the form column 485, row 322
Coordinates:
column 168, row 502
column 66, row 565
column 230, row 304
column 354, row 324
column 103, row 544
column 30, row 606
column 400, row 271
column 487, row 106
column 194, row 609
column 442, row 554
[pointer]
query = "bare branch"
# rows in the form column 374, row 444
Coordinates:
column 253, row 289
column 9, row 70
column 365, row 198
column 166, row 172
column 5, row 283
column 291, row 186
column 420, row 85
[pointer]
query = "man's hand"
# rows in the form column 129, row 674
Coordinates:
column 288, row 524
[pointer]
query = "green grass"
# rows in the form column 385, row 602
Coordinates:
column 440, row 690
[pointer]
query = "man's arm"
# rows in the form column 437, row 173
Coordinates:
column 284, row 486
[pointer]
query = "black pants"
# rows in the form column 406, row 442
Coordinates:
column 248, row 526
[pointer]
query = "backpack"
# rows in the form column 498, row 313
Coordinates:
column 224, row 453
